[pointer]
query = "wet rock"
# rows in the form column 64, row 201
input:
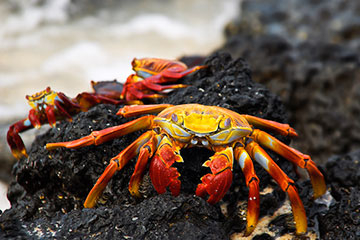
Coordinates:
column 51, row 187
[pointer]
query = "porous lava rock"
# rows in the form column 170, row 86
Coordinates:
column 317, row 77
column 342, row 221
column 51, row 186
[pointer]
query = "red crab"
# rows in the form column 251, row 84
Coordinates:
column 49, row 106
column 230, row 135
column 150, row 74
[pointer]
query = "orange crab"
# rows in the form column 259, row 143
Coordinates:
column 150, row 74
column 230, row 135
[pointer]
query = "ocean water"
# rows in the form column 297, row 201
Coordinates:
column 65, row 45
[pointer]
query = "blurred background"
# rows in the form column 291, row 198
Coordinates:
column 65, row 44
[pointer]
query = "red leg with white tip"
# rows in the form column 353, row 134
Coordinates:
column 161, row 173
column 285, row 183
column 252, row 182
column 217, row 183
column 116, row 164
column 99, row 137
column 296, row 157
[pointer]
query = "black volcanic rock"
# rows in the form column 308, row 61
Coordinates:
column 342, row 221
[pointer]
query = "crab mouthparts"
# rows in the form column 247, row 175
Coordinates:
column 200, row 142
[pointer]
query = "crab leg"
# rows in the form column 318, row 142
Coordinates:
column 34, row 119
column 217, row 183
column 99, row 137
column 146, row 152
column 116, row 164
column 169, row 75
column 252, row 182
column 63, row 111
column 50, row 114
column 285, row 183
column 140, row 95
column 14, row 140
column 161, row 173
column 296, row 157
column 135, row 110
column 175, row 74
column 159, row 88
column 280, row 128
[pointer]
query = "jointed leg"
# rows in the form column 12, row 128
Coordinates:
column 170, row 73
column 159, row 88
column 296, row 157
column 116, row 164
column 135, row 110
column 134, row 93
column 218, row 182
column 99, row 137
column 286, row 184
column 146, row 152
column 280, row 128
column 252, row 182
column 14, row 140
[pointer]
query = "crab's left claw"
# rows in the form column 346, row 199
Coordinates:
column 217, row 183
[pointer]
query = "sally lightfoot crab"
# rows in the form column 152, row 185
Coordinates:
column 48, row 106
column 151, row 74
column 230, row 135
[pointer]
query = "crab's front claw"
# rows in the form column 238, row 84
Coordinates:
column 217, row 183
column 161, row 173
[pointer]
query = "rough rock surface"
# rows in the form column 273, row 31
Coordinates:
column 332, row 21
column 51, row 187
column 317, row 77
column 342, row 221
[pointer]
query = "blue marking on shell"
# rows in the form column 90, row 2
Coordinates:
column 143, row 74
column 27, row 123
column 58, row 99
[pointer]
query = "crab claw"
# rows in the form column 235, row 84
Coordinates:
column 35, row 121
column 161, row 173
column 217, row 183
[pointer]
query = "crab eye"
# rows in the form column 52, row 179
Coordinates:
column 225, row 123
column 176, row 119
